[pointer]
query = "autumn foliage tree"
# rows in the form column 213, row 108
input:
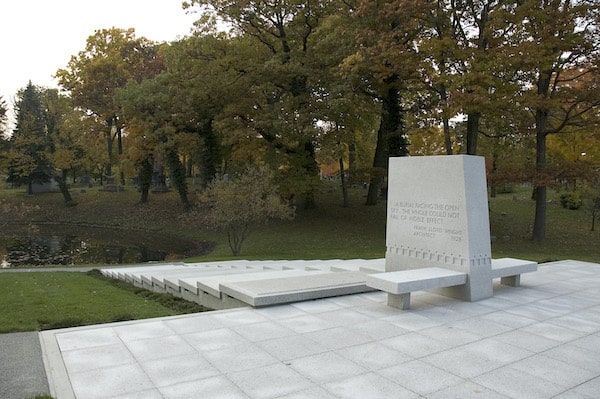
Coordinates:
column 277, row 66
column 385, row 64
column 70, row 144
column 110, row 59
column 559, row 73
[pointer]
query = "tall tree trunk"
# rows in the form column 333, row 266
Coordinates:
column 344, row 183
column 211, row 158
column 146, row 170
column 541, row 131
column 539, row 223
column 351, row 161
column 447, row 137
column 390, row 142
column 312, row 171
column 61, row 179
column 119, row 137
column 109, row 146
column 493, row 184
column 472, row 132
column 189, row 166
column 178, row 176
column 379, row 167
column 445, row 121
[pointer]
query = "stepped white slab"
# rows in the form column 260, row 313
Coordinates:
column 174, row 281
column 212, row 285
column 160, row 278
column 293, row 289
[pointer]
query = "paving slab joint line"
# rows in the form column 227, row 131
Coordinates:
column 574, row 387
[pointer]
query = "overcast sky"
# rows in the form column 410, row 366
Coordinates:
column 37, row 37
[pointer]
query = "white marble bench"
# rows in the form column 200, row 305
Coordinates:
column 400, row 284
column 509, row 270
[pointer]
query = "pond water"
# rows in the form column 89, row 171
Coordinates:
column 64, row 245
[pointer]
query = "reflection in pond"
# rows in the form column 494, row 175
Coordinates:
column 55, row 246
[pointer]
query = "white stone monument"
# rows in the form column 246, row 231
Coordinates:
column 438, row 217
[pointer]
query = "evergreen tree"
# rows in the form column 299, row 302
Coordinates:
column 28, row 162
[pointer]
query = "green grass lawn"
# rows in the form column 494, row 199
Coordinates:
column 568, row 234
column 44, row 300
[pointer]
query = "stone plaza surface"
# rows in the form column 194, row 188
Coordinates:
column 539, row 340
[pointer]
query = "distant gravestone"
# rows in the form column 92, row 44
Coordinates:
column 111, row 185
column 85, row 181
column 46, row 187
column 438, row 217
column 159, row 180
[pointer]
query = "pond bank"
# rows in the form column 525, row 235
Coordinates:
column 74, row 244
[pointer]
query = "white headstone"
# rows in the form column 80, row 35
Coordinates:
column 438, row 217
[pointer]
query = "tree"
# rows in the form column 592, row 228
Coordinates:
column 28, row 161
column 573, row 157
column 348, row 117
column 473, row 37
column 432, row 140
column 438, row 46
column 560, row 75
column 385, row 64
column 495, row 58
column 69, row 141
column 200, row 68
column 49, row 139
column 238, row 204
column 591, row 203
column 140, row 153
column 151, row 107
column 277, row 67
column 111, row 58
column 171, row 115
column 467, row 66
column 508, row 156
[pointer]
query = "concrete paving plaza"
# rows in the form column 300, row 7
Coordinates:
column 540, row 340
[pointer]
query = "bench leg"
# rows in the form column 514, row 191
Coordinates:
column 401, row 301
column 513, row 281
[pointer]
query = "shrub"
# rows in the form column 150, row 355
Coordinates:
column 242, row 202
column 571, row 200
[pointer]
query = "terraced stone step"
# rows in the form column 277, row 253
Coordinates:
column 293, row 289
